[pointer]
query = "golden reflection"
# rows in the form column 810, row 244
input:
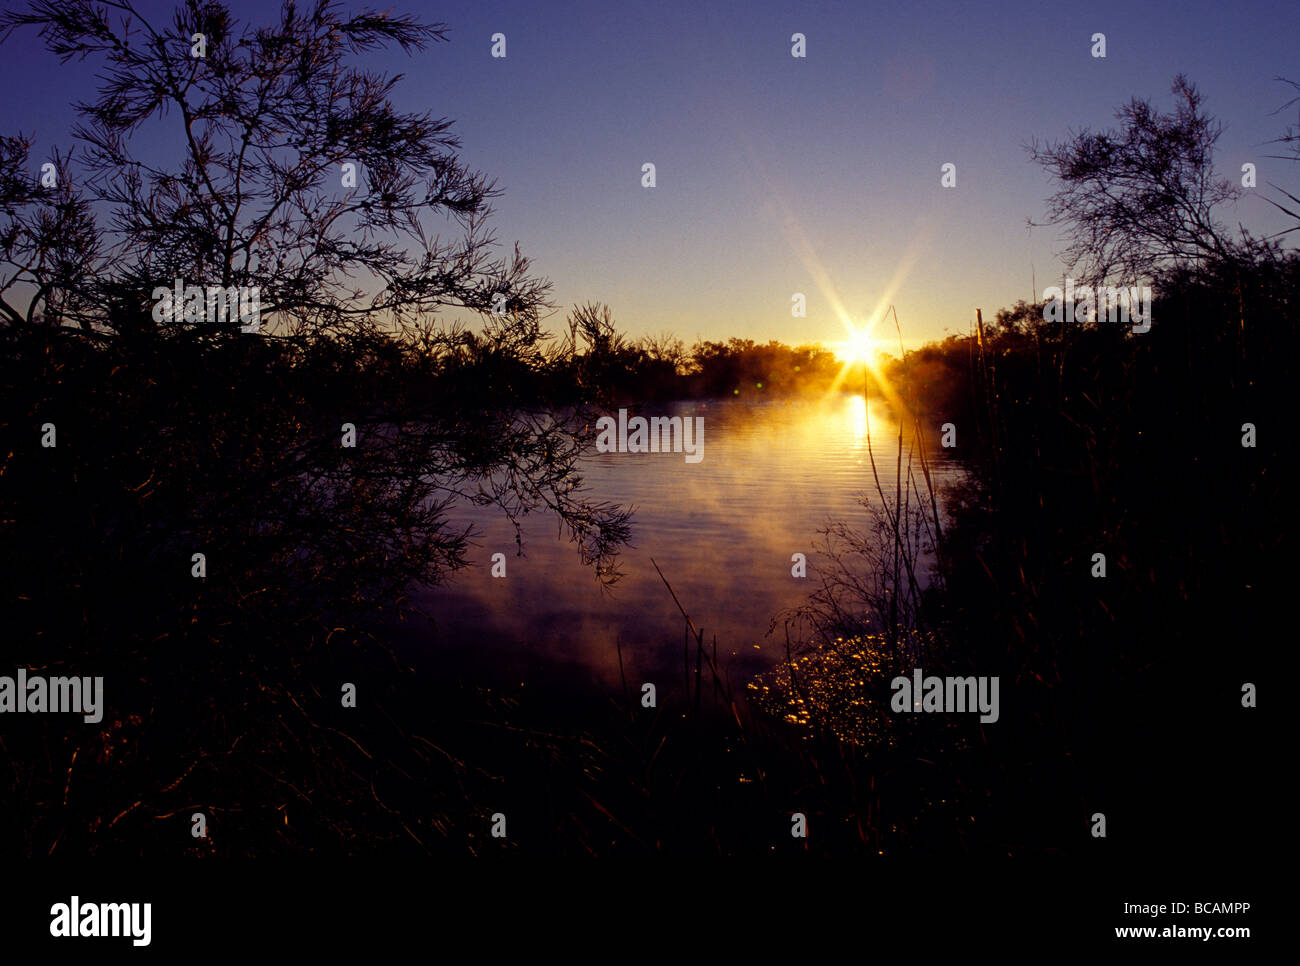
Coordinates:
column 830, row 689
column 857, row 407
column 843, row 418
column 841, row 688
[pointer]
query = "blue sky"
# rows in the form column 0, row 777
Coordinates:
column 778, row 175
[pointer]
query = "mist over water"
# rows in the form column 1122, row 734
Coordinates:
column 722, row 530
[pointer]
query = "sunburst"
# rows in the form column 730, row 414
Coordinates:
column 859, row 348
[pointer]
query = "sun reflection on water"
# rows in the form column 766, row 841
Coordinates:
column 857, row 407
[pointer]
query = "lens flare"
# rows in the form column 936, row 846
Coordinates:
column 858, row 347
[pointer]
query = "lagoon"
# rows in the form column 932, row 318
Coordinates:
column 723, row 530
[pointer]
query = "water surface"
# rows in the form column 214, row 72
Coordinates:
column 723, row 531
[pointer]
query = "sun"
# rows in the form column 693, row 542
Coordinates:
column 859, row 347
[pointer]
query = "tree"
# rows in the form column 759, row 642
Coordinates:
column 1290, row 138
column 1140, row 199
column 265, row 120
column 313, row 464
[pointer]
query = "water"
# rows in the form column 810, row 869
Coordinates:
column 723, row 531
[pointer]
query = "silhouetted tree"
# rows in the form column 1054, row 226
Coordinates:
column 179, row 437
column 1142, row 198
column 264, row 122
column 1290, row 138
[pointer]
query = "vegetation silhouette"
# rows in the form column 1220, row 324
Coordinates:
column 1123, row 692
column 178, row 437
column 183, row 436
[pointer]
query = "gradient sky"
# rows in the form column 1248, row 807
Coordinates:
column 779, row 175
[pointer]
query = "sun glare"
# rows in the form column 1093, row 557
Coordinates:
column 858, row 348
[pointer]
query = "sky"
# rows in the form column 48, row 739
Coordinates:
column 778, row 175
